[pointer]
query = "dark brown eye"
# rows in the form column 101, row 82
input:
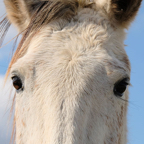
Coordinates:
column 17, row 83
column 120, row 87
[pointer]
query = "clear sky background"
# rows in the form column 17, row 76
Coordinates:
column 135, row 51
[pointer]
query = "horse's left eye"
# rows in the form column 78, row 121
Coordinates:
column 17, row 83
column 120, row 87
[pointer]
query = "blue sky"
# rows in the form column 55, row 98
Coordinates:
column 135, row 51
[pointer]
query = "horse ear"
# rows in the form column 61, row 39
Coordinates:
column 125, row 10
column 19, row 12
column 121, row 11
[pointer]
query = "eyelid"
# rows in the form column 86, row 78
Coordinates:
column 16, row 73
column 126, row 79
column 13, row 73
column 130, row 84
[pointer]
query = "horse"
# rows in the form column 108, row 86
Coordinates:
column 70, row 70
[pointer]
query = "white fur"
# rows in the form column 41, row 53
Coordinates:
column 102, row 2
column 68, row 73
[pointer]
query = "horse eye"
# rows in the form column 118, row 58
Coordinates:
column 120, row 87
column 17, row 83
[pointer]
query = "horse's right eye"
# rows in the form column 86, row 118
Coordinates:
column 17, row 83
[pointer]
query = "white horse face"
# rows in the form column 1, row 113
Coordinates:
column 72, row 82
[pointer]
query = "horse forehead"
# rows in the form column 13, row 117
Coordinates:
column 85, row 29
column 81, row 38
column 78, row 40
column 75, row 37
